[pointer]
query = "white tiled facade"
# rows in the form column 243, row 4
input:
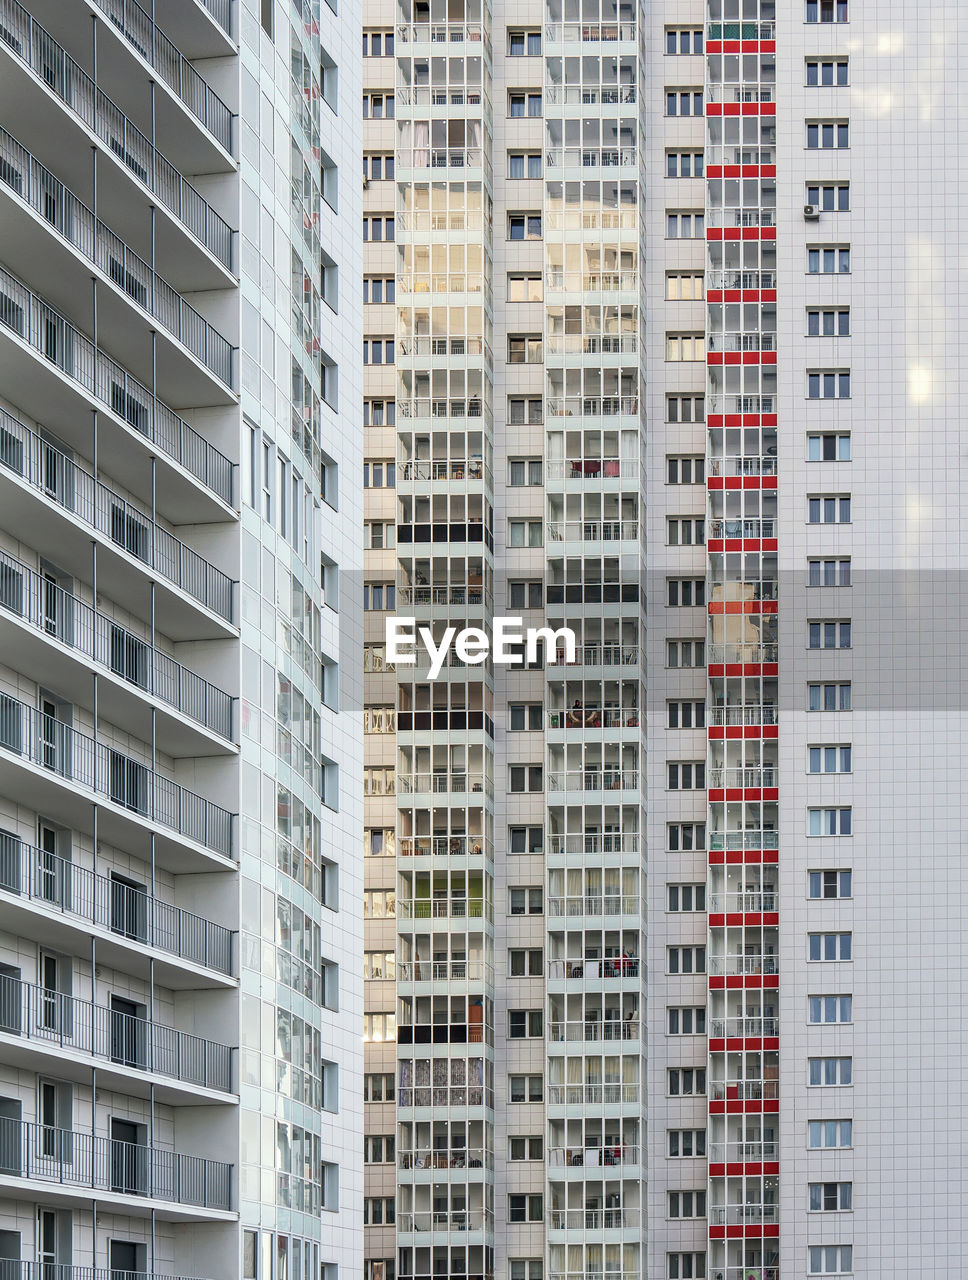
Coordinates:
column 180, row 674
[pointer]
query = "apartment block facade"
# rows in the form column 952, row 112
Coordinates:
column 180, row 748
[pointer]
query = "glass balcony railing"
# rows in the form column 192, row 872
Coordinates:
column 65, row 888
column 594, row 1219
column 73, row 757
column 54, row 66
column 438, row 1220
column 593, row 1157
column 73, row 1159
column 60, row 615
column 580, row 967
column 62, row 1022
column 747, row 778
column 733, row 964
column 444, row 783
column 743, row 1028
column 594, row 843
column 594, row 1030
column 592, row 530
column 445, row 1158
column 749, row 839
column 37, row 187
column 595, row 904
column 592, row 779
column 592, row 1095
column 589, row 32
column 64, row 482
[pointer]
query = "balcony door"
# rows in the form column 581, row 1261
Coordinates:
column 11, row 996
column 129, row 1158
column 128, row 1033
column 129, row 908
column 10, row 1267
column 126, row 1259
column 11, row 1137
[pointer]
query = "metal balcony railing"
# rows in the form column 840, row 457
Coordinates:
column 426, row 344
column 736, row 1214
column 589, row 32
column 611, row 967
column 440, row 282
column 743, row 1151
column 445, row 1158
column 733, row 964
column 765, row 900
column 443, row 595
column 71, row 890
column 743, row 1027
column 427, row 96
column 74, row 757
column 594, row 1030
column 739, row 714
column 441, row 33
column 750, row 839
column 439, row 1220
column 12, row 1269
column 604, row 655
column 173, row 67
column 741, row 280
column 443, row 909
column 593, row 530
column 53, row 65
column 64, row 482
column 590, row 1095
column 64, row 1022
column 593, row 843
column 76, row 1159
column 37, row 187
column 593, row 1157
column 592, row 282
column 592, row 779
column 595, row 904
column 444, row 846
column 444, row 783
column 443, row 970
column 575, row 95
column 766, row 777
column 594, row 1219
column 740, row 30
column 425, row 407
column 63, row 617
column 76, row 356
column 221, row 11
column 593, row 468
column 443, row 158
column 740, row 404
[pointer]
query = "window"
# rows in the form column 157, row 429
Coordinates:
column 376, row 1268
column 377, row 44
column 525, row 409
column 379, row 1028
column 524, row 716
column 683, row 40
column 524, row 226
column 525, row 777
column 525, row 962
column 379, row 904
column 379, row 842
column 828, row 759
column 524, row 533
column 828, row 946
column 828, row 261
column 377, row 719
column 684, row 286
column 525, row 839
column 686, row 775
column 828, row 135
column 379, row 1211
column 525, row 1208
column 685, row 836
column 525, row 348
column 686, row 897
column 378, row 106
column 685, row 531
column 524, row 44
column 379, row 535
column 378, row 596
column 379, row 351
column 828, row 635
column 524, row 471
column 826, row 71
column 525, row 1269
column 830, row 1259
column 379, row 227
column 525, row 595
column 267, row 17
column 826, row 1072
column 824, row 1134
column 683, row 102
column 685, row 346
column 684, row 164
column 524, row 164
column 525, row 288
column 379, row 964
column 685, row 653
column 828, row 573
column 378, row 167
column 526, row 901
column 530, row 1148
column 685, row 470
column 685, row 1082
column 687, row 224
column 828, row 384
column 831, row 197
column 686, row 715
column 379, row 1148
column 687, row 1204
column 686, row 408
column 379, row 780
column 829, row 822
column 829, row 884
column 828, row 446
column 828, row 508
column 684, row 1143
column 378, row 289
column 823, row 1010
column 828, row 697
column 828, row 324
column 379, row 474
column 829, row 1197
column 525, row 1088
column 379, row 413
column 826, row 10
column 685, row 593
column 525, row 1024
column 686, row 1020
column 378, row 1087
column 523, row 103
column 686, row 1266
column 686, row 959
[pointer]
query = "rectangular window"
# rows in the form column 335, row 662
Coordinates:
column 379, row 474
column 378, row 167
column 826, row 10
column 828, row 384
column 684, row 837
column 822, row 947
column 828, row 508
column 685, row 1143
column 525, row 777
column 684, row 286
column 828, row 260
column 526, row 901
column 687, row 1082
column 525, row 1269
column 524, row 533
column 687, row 1204
column 379, row 1028
column 525, row 348
column 524, row 472
column 524, row 410
column 828, row 573
column 828, row 446
column 829, row 759
column 685, row 531
column 524, row 44
column 524, row 103
column 686, row 897
column 525, row 595
column 690, row 408
column 685, row 593
column 525, row 839
column 686, row 1266
column 379, row 1211
column 683, row 40
column 684, row 164
column 525, row 962
column 833, row 197
column 827, row 1072
column 830, row 1134
column 525, row 288
column 828, row 635
column 686, row 1020
column 686, row 715
column 525, row 716
column 683, row 102
column 525, row 1208
column 682, row 960
column 525, row 1088
column 378, row 106
column 829, row 1009
column 828, row 135
column 685, row 653
column 828, row 697
column 686, row 775
column 379, row 1148
column 379, row 289
column 686, row 224
column 524, row 226
column 378, row 1087
column 524, row 164
column 526, row 1024
column 685, row 347
column 829, row 884
column 379, row 413
column 685, row 470
column 830, row 1259
column 530, row 1148
column 379, row 535
column 822, row 323
column 829, row 822
column 829, row 1197
column 826, row 71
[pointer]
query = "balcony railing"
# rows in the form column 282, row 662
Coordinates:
column 444, row 847
column 738, row 714
column 473, row 1095
column 443, row 971
column 38, row 188
column 593, row 468
column 593, row 530
column 586, row 717
column 63, row 617
column 741, row 652
column 591, row 1095
column 740, row 404
column 592, row 344
column 221, row 11
column 592, row 406
column 424, row 595
column 594, row 780
column 426, row 344
column 424, row 96
column 445, row 1158
column 593, row 282
column 741, row 528
column 452, row 469
column 593, row 843
column 74, row 757
column 63, row 886
column 736, row 1151
column 593, row 1157
column 441, row 33
column 594, row 1219
column 444, row 783
column 12, row 1269
column 604, row 655
column 574, row 95
column 439, row 1220
column 75, row 1159
column 173, row 67
column 741, row 280
column 443, row 909
column 742, row 466
column 749, row 839
column 746, row 778
column 76, row 356
column 736, row 1214
column 53, row 65
column 61, row 480
column 443, row 158
column 743, row 964
column 740, row 31
column 738, row 1090
column 611, row 967
column 589, row 32
column 594, row 1030
column 64, row 1022
column 740, row 341
column 425, row 407
column 590, row 157
column 595, row 904
column 743, row 1027
column 750, row 900
column 720, row 216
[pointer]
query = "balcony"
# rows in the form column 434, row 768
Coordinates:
column 73, row 758
column 63, row 887
column 592, row 344
column 444, row 470
column 741, row 529
column 437, row 1096
column 592, row 969
column 748, row 900
column 586, row 717
column 594, row 780
column 443, row 783
column 592, row 406
column 444, row 909
column 607, row 904
column 62, row 481
column 444, row 847
column 748, row 779
column 73, row 1159
column 445, row 1158
column 740, row 714
column 590, row 158
column 37, row 188
column 593, row 530
column 172, row 66
column 740, row 404
column 734, row 840
column 62, row 1025
column 593, row 1157
column 593, row 1031
column 740, row 31
column 730, row 1215
column 443, row 971
column 591, row 1095
column 593, row 282
column 744, row 653
column 594, row 469
column 589, row 32
column 445, row 33
column 594, row 1219
column 743, row 1090
column 425, row 407
column 602, row 655
column 591, row 95
column 741, row 279
column 57, row 70
column 61, row 617
column 592, row 844
column 720, row 1152
column 740, row 341
column 746, row 964
column 460, row 1220
column 747, row 465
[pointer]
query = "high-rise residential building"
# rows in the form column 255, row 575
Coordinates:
column 180, row 743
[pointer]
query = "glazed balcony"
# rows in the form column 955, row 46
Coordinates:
column 443, row 783
column 595, row 904
column 739, row 1027
column 572, row 33
column 579, row 846
column 63, row 1026
column 444, row 909
column 459, row 1221
column 738, row 714
column 593, row 1219
column 747, row 779
column 590, row 158
column 64, row 889
column 593, row 1157
column 732, row 1215
column 442, row 33
column 745, row 900
column 445, row 847
column 743, row 964
column 445, row 1158
column 592, row 1095
column 595, row 780
column 591, row 1031
column 749, row 839
column 444, row 971
column 593, row 530
column 77, row 1160
column 593, row 468
column 613, row 968
column 730, row 1152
